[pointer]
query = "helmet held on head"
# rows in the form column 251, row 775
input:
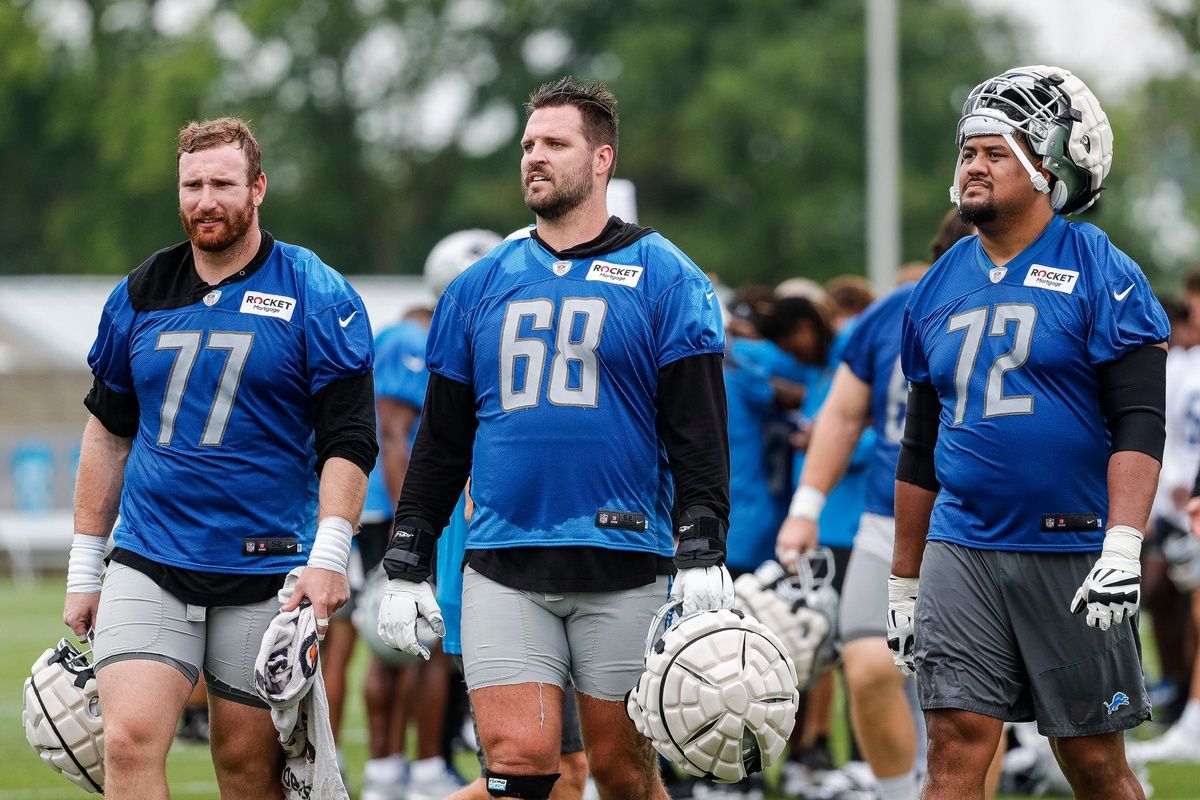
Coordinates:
column 800, row 609
column 62, row 717
column 455, row 253
column 718, row 697
column 1058, row 117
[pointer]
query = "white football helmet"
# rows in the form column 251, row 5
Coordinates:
column 800, row 609
column 455, row 253
column 1182, row 551
column 718, row 697
column 365, row 619
column 62, row 716
column 1061, row 120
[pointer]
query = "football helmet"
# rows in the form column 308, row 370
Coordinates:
column 718, row 697
column 365, row 619
column 455, row 253
column 800, row 609
column 1182, row 551
column 1061, row 120
column 62, row 716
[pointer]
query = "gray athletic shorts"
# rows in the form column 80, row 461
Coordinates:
column 862, row 612
column 995, row 635
column 596, row 639
column 139, row 620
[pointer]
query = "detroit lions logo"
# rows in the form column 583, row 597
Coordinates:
column 1119, row 699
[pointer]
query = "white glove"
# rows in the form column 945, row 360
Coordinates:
column 901, row 622
column 403, row 602
column 1112, row 591
column 703, row 589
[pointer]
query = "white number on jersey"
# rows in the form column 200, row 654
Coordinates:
column 585, row 313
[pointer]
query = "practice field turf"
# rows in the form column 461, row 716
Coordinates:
column 32, row 622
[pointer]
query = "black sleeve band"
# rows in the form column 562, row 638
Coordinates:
column 441, row 455
column 1196, row 487
column 409, row 555
column 1133, row 400
column 117, row 411
column 693, row 427
column 701, row 539
column 917, row 444
column 343, row 415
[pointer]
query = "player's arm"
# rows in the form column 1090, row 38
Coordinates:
column 836, row 431
column 1132, row 399
column 396, row 421
column 343, row 416
column 102, row 458
column 437, row 472
column 693, row 424
column 916, row 490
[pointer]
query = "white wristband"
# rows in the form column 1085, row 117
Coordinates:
column 85, row 563
column 331, row 548
column 807, row 503
column 1124, row 542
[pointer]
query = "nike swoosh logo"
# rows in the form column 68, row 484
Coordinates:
column 1122, row 295
column 709, row 296
column 346, row 321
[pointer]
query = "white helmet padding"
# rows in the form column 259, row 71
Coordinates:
column 718, row 697
column 62, row 717
column 1061, row 120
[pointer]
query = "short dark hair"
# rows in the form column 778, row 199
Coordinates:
column 1191, row 284
column 1176, row 309
column 950, row 231
column 596, row 103
column 216, row 132
column 786, row 314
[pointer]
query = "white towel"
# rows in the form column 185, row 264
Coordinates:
column 287, row 675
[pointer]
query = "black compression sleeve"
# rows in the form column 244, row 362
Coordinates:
column 917, row 444
column 441, row 454
column 1133, row 400
column 117, row 411
column 343, row 415
column 692, row 424
column 1196, row 487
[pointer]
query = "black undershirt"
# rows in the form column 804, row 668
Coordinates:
column 204, row 588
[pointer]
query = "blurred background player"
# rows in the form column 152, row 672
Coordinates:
column 868, row 390
column 419, row 691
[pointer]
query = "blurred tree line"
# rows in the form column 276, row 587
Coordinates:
column 387, row 124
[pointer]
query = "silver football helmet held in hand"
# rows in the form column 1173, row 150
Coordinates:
column 718, row 697
column 800, row 609
column 62, row 716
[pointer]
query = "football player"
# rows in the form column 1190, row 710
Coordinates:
column 232, row 427
column 1032, row 441
column 576, row 374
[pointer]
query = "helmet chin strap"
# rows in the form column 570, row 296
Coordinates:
column 1036, row 178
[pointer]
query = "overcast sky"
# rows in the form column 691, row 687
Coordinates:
column 1111, row 44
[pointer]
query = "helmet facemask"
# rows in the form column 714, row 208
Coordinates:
column 1059, row 118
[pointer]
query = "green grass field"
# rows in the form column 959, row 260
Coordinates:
column 32, row 622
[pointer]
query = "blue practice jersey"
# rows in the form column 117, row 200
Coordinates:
column 224, row 444
column 1013, row 354
column 760, row 460
column 873, row 355
column 563, row 356
column 838, row 523
column 400, row 375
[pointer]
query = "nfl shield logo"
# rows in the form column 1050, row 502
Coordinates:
column 212, row 297
column 561, row 267
column 998, row 274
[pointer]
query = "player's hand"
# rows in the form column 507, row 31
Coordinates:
column 901, row 622
column 403, row 602
column 703, row 589
column 1193, row 512
column 1112, row 590
column 79, row 613
column 325, row 589
column 797, row 535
